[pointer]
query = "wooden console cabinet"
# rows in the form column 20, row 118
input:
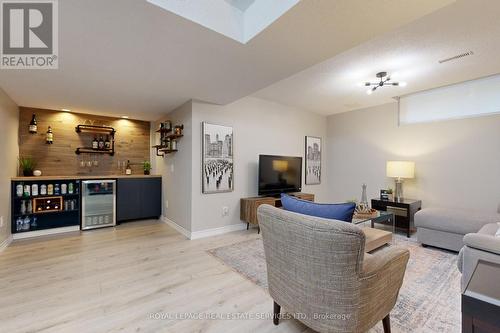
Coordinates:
column 248, row 206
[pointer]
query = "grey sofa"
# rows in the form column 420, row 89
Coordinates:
column 446, row 228
column 483, row 245
column 318, row 270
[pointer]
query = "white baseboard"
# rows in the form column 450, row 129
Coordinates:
column 204, row 233
column 5, row 243
column 46, row 232
column 217, row 231
column 177, row 227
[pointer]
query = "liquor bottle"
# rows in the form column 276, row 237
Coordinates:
column 23, row 207
column 26, row 223
column 43, row 189
column 107, row 144
column 70, row 188
column 33, row 127
column 27, row 191
column 128, row 170
column 64, row 189
column 101, row 143
column 29, row 209
column 95, row 143
column 19, row 190
column 49, row 139
column 19, row 224
column 34, row 190
column 57, row 189
column 50, row 189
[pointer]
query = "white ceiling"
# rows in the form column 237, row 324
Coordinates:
column 412, row 51
column 241, row 4
column 129, row 57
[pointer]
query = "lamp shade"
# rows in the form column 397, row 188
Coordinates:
column 401, row 169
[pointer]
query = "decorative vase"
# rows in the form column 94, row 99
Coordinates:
column 146, row 172
column 27, row 173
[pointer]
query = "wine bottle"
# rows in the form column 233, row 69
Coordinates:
column 107, row 144
column 95, row 143
column 101, row 143
column 33, row 126
column 128, row 170
column 49, row 139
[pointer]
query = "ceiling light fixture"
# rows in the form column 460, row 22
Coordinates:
column 66, row 110
column 384, row 81
column 125, row 117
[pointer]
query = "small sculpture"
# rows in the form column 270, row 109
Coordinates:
column 363, row 207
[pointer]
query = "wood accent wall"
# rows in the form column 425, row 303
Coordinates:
column 132, row 142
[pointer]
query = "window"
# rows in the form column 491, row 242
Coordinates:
column 463, row 100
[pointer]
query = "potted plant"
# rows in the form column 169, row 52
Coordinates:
column 147, row 167
column 27, row 164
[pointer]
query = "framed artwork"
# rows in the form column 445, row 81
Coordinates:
column 217, row 158
column 313, row 160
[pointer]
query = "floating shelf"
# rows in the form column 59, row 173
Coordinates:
column 93, row 151
column 99, row 130
column 95, row 129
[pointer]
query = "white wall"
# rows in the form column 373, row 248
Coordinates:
column 176, row 169
column 260, row 127
column 9, row 124
column 457, row 161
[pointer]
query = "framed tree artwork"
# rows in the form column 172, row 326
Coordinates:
column 313, row 160
column 217, row 158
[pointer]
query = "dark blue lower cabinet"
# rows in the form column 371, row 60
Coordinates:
column 138, row 198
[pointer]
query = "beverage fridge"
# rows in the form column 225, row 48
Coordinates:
column 98, row 204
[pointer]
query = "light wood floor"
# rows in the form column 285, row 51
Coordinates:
column 115, row 280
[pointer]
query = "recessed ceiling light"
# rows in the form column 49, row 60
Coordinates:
column 125, row 117
column 66, row 110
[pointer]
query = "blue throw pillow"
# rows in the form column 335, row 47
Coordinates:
column 342, row 211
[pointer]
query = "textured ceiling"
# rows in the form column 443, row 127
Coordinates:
column 130, row 57
column 412, row 51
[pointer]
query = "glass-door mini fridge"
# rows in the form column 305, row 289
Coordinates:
column 98, row 204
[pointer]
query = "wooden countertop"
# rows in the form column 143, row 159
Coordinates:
column 81, row 177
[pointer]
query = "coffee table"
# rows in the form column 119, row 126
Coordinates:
column 376, row 238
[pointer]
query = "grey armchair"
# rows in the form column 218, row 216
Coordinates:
column 318, row 271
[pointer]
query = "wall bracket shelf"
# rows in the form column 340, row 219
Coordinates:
column 167, row 136
column 97, row 129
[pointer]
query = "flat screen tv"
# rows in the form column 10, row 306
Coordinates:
column 279, row 174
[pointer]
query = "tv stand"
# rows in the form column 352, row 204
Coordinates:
column 248, row 206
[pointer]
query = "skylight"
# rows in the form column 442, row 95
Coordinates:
column 240, row 20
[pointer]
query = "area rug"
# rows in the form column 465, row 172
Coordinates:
column 429, row 300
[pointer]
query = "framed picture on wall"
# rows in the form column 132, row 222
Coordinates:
column 217, row 158
column 313, row 160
